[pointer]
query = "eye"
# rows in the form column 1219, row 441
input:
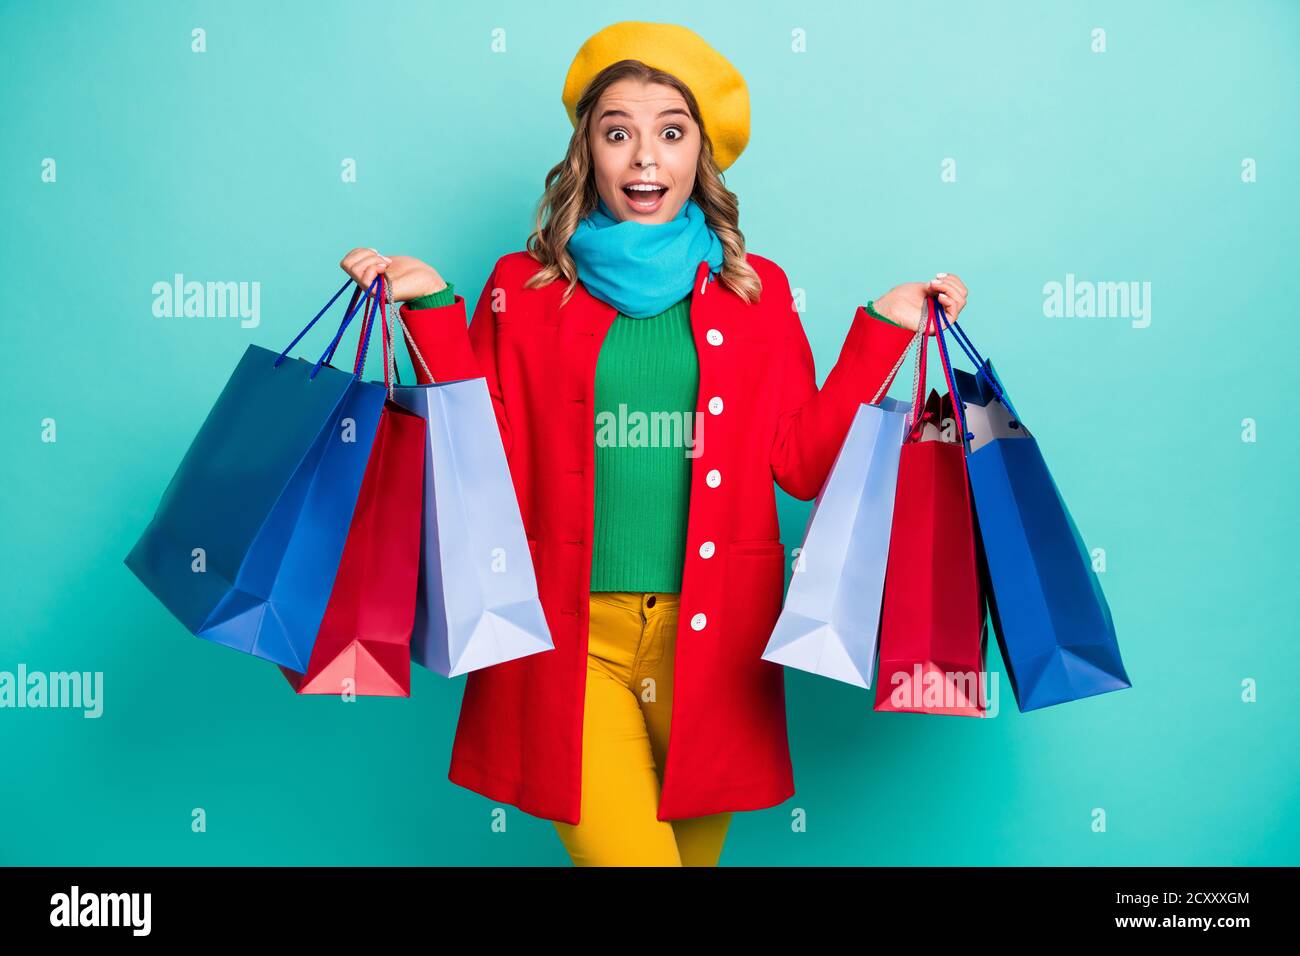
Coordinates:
column 610, row 133
column 678, row 129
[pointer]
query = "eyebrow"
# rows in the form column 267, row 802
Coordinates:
column 668, row 112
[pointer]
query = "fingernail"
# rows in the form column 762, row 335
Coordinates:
column 941, row 275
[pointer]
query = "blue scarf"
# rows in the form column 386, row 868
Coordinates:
column 643, row 268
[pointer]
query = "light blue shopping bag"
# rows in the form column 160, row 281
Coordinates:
column 477, row 602
column 831, row 618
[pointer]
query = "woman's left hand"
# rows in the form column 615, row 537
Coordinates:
column 903, row 303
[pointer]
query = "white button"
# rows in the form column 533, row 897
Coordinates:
column 706, row 549
column 715, row 405
column 698, row 622
column 713, row 337
column 713, row 478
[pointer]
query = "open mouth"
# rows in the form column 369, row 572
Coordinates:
column 645, row 197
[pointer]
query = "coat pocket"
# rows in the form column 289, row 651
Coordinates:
column 757, row 546
column 753, row 588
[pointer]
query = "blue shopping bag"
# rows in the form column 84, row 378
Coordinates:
column 830, row 620
column 245, row 542
column 1050, row 616
column 476, row 603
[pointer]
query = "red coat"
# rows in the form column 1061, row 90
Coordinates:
column 519, row 738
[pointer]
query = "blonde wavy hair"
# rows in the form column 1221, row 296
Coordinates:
column 571, row 194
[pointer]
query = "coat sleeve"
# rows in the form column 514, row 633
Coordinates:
column 812, row 422
column 454, row 352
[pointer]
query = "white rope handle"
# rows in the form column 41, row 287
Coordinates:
column 392, row 345
column 396, row 319
column 918, row 337
column 410, row 341
column 915, row 407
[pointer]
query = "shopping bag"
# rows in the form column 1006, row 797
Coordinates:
column 932, row 630
column 364, row 643
column 245, row 542
column 1049, row 614
column 831, row 616
column 477, row 602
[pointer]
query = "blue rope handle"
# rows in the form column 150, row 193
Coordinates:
column 973, row 354
column 329, row 351
column 380, row 315
column 329, row 356
column 307, row 328
column 376, row 289
column 951, row 378
column 369, row 318
column 352, row 307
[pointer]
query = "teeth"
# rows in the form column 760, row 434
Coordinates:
column 640, row 188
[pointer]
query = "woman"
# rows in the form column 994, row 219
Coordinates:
column 656, row 548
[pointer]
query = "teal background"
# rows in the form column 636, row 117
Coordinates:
column 1120, row 166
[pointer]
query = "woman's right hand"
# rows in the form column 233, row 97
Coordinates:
column 904, row 303
column 408, row 277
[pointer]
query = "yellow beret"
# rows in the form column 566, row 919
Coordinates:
column 717, row 85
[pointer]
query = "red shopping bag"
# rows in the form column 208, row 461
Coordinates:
column 364, row 642
column 933, row 638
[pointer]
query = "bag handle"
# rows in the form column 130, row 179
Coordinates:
column 919, row 337
column 329, row 352
column 414, row 349
column 390, row 360
column 391, row 377
column 376, row 308
column 957, row 407
column 352, row 307
column 981, row 367
column 364, row 338
column 918, row 373
column 390, row 353
column 935, row 317
column 367, row 322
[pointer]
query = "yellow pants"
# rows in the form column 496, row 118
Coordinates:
column 628, row 704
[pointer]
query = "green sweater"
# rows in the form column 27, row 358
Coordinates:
column 647, row 376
